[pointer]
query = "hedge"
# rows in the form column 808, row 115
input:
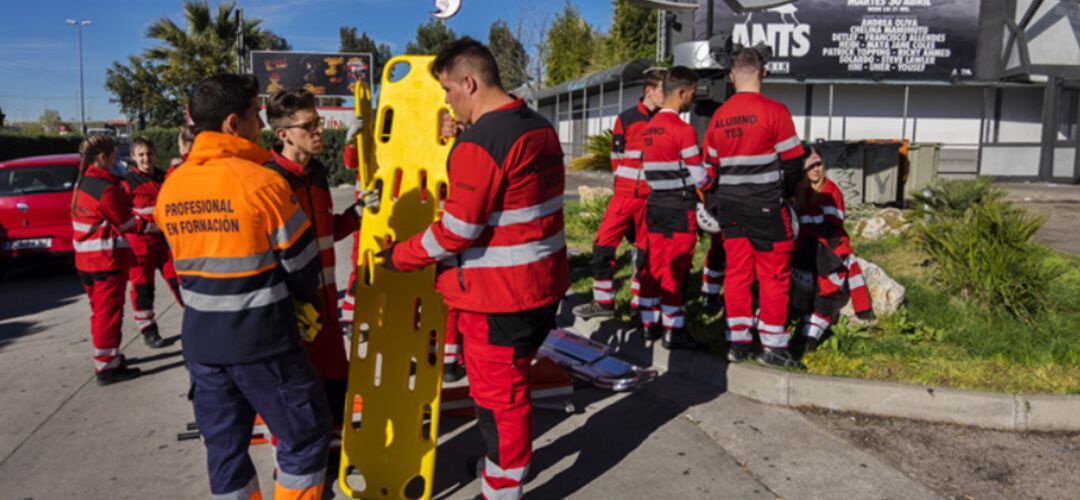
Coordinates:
column 164, row 140
column 18, row 146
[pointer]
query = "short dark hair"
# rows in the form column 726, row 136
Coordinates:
column 475, row 54
column 216, row 97
column 747, row 59
column 285, row 103
column 141, row 141
column 654, row 77
column 679, row 77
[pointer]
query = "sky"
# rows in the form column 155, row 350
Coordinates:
column 39, row 65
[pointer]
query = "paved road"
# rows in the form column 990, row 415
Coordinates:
column 62, row 436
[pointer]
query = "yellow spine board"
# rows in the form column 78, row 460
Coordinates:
column 396, row 372
column 364, row 146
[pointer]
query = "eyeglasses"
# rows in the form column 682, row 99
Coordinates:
column 310, row 126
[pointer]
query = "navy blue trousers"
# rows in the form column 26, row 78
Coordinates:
column 289, row 395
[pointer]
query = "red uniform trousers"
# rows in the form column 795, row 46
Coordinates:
column 501, row 349
column 106, row 292
column 669, row 241
column 772, row 269
column 141, row 274
column 712, row 276
column 624, row 217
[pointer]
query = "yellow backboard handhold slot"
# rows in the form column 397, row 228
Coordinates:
column 403, row 315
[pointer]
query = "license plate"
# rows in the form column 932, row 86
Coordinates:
column 34, row 243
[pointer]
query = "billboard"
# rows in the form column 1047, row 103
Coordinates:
column 858, row 39
column 322, row 74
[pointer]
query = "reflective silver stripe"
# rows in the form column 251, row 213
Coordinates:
column 767, row 328
column 766, row 178
column 451, row 349
column 326, row 242
column 710, row 288
column 226, row 264
column 283, row 234
column 735, row 161
column 242, row 493
column 144, row 314
column 305, row 257
column 633, row 154
column 88, row 228
column 603, row 284
column 741, row 335
column 698, row 174
column 513, row 255
column 329, row 276
column 152, row 228
column 511, row 493
column 99, row 353
column 647, row 301
column 126, row 225
column 616, row 156
column 462, row 229
column 811, row 219
column 713, row 274
column 819, row 321
column 635, row 285
column 99, row 245
column 667, row 184
column 690, row 152
column 662, row 166
column 300, row 482
column 787, row 144
column 650, row 316
column 234, row 302
column 777, row 340
column 833, row 211
column 628, row 173
column 813, row 331
column 671, row 321
column 144, row 210
column 494, row 471
column 713, row 153
column 602, row 295
column 432, row 247
column 856, row 281
column 740, row 321
column 527, row 214
column 836, row 279
column 670, row 309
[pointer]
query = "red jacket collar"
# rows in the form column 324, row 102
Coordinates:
column 96, row 171
column 293, row 167
column 644, row 109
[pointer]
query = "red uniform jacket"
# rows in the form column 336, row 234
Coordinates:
column 312, row 191
column 142, row 189
column 753, row 152
column 626, row 151
column 501, row 243
column 672, row 158
column 100, row 216
column 823, row 243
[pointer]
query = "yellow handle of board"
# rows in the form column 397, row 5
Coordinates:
column 364, row 146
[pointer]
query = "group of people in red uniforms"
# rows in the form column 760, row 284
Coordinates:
column 753, row 184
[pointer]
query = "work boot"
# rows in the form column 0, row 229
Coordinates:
column 810, row 344
column 739, row 351
column 594, row 310
column 679, row 338
column 779, row 357
column 713, row 304
column 453, row 372
column 653, row 332
column 119, row 374
column 153, row 338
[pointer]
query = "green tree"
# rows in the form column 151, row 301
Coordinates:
column 570, row 45
column 353, row 41
column 632, row 35
column 50, row 121
column 140, row 94
column 509, row 54
column 431, row 37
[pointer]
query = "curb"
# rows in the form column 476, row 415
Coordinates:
column 988, row 410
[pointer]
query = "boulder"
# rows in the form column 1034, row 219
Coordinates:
column 873, row 228
column 589, row 194
column 885, row 293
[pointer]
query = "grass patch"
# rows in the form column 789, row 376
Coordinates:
column 938, row 338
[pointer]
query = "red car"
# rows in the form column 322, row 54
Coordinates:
column 35, row 205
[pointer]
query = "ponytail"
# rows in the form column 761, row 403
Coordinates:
column 90, row 148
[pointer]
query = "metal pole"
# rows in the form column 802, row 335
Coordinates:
column 78, row 24
column 240, row 41
column 661, row 36
column 829, row 133
column 903, row 127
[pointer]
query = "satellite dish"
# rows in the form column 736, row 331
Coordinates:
column 445, row 9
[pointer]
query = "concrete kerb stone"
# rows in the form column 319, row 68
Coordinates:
column 990, row 410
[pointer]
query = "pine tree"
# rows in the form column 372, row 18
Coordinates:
column 570, row 45
column 509, row 54
column 632, row 35
column 351, row 41
column 431, row 37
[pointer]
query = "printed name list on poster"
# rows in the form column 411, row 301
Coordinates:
column 889, row 39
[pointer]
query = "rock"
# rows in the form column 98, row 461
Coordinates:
column 873, row 228
column 885, row 293
column 589, row 194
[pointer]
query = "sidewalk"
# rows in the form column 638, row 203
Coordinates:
column 1060, row 203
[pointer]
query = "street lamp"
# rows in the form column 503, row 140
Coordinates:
column 82, row 103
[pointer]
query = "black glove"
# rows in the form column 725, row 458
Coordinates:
column 387, row 257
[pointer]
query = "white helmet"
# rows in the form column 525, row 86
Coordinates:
column 705, row 221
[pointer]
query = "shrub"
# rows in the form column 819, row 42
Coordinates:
column 986, row 254
column 950, row 199
column 598, row 154
column 19, row 146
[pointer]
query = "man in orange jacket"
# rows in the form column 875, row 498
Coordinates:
column 297, row 125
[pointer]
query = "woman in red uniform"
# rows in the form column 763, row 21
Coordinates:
column 824, row 250
column 100, row 215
